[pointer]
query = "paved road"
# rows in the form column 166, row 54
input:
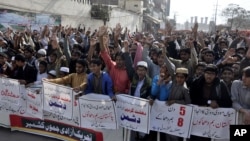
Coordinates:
column 7, row 135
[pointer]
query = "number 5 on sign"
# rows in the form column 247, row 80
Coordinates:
column 174, row 120
column 182, row 110
column 182, row 113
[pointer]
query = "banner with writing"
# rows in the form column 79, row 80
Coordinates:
column 58, row 99
column 54, row 129
column 133, row 113
column 10, row 91
column 34, row 103
column 174, row 120
column 97, row 111
column 74, row 121
column 212, row 123
column 7, row 108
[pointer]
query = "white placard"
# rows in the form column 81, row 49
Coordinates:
column 10, row 91
column 97, row 111
column 7, row 108
column 133, row 113
column 174, row 120
column 212, row 123
column 75, row 121
column 58, row 99
column 34, row 103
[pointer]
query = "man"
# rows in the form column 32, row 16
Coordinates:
column 141, row 82
column 28, row 53
column 77, row 80
column 209, row 57
column 5, row 69
column 198, row 71
column 153, row 68
column 64, row 71
column 241, row 96
column 72, row 62
column 42, row 73
column 236, row 69
column 227, row 75
column 209, row 90
column 53, row 62
column 179, row 91
column 51, row 74
column 40, row 56
column 241, row 50
column 25, row 73
column 188, row 59
column 98, row 81
column 161, row 84
column 218, row 49
column 117, row 69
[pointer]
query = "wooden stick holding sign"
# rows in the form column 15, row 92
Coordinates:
column 128, row 135
column 125, row 134
column 158, row 136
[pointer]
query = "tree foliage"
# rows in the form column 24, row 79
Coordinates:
column 237, row 17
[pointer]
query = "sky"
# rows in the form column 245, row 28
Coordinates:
column 185, row 9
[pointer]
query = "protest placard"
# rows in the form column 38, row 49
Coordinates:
column 10, row 91
column 212, row 123
column 174, row 120
column 97, row 111
column 34, row 103
column 133, row 113
column 58, row 99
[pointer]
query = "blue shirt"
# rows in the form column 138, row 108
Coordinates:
column 160, row 92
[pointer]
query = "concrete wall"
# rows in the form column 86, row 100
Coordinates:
column 135, row 5
column 74, row 13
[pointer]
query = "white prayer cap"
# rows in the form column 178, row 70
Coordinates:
column 52, row 72
column 142, row 64
column 64, row 69
column 41, row 51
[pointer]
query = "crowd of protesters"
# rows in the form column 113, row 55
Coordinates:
column 177, row 67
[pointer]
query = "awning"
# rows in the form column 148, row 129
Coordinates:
column 151, row 19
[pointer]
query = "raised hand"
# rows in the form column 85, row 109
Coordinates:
column 118, row 30
column 93, row 42
column 195, row 29
column 103, row 30
column 126, row 45
column 106, row 39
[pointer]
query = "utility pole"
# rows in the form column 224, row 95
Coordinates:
column 175, row 19
column 215, row 16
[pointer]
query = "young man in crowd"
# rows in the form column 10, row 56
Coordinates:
column 117, row 69
column 153, row 68
column 179, row 93
column 42, row 73
column 5, row 69
column 209, row 90
column 241, row 96
column 64, row 71
column 26, row 73
column 29, row 55
column 99, row 82
column 77, row 81
column 227, row 75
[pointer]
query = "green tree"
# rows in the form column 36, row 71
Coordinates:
column 237, row 16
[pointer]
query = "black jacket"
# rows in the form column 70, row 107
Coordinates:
column 28, row 74
column 219, row 93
